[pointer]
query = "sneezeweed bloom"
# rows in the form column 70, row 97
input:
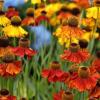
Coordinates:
column 54, row 73
column 84, row 4
column 93, row 12
column 4, row 21
column 84, row 79
column 11, row 11
column 42, row 17
column 5, row 95
column 75, row 54
column 4, row 46
column 23, row 49
column 29, row 20
column 96, row 62
column 95, row 92
column 63, row 14
column 89, row 35
column 9, row 66
column 64, row 95
column 70, row 30
column 14, row 30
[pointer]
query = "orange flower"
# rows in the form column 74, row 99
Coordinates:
column 4, row 46
column 28, row 21
column 84, row 79
column 83, row 3
column 5, row 95
column 74, row 54
column 10, row 67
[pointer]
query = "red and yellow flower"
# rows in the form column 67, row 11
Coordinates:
column 84, row 79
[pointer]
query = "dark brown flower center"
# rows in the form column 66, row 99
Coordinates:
column 10, row 8
column 23, row 99
column 98, row 54
column 74, row 47
column 75, row 11
column 30, row 12
column 2, row 13
column 8, row 58
column 67, row 95
column 73, row 22
column 24, row 42
column 55, row 65
column 97, row 2
column 83, row 72
column 4, row 92
column 16, row 21
column 83, row 43
column 4, row 41
column 43, row 12
column 87, row 28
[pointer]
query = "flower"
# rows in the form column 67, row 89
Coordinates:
column 84, row 79
column 29, row 20
column 4, row 46
column 63, row 95
column 10, row 67
column 35, row 1
column 54, row 74
column 95, row 92
column 96, row 3
column 4, row 21
column 92, row 12
column 11, row 12
column 42, row 17
column 84, row 4
column 74, row 54
column 70, row 30
column 52, row 8
column 14, row 30
column 5, row 95
column 23, row 49
column 96, row 62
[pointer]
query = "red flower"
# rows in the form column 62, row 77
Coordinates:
column 41, row 18
column 95, row 92
column 74, row 54
column 11, row 12
column 63, row 95
column 21, row 51
column 84, row 79
column 58, row 96
column 28, row 21
column 54, row 74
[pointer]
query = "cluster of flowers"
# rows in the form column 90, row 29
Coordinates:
column 73, row 32
column 76, row 34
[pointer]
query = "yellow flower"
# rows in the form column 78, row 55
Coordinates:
column 92, row 12
column 54, row 21
column 88, row 22
column 4, row 21
column 89, row 35
column 52, row 8
column 14, row 30
column 72, row 5
column 35, row 1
